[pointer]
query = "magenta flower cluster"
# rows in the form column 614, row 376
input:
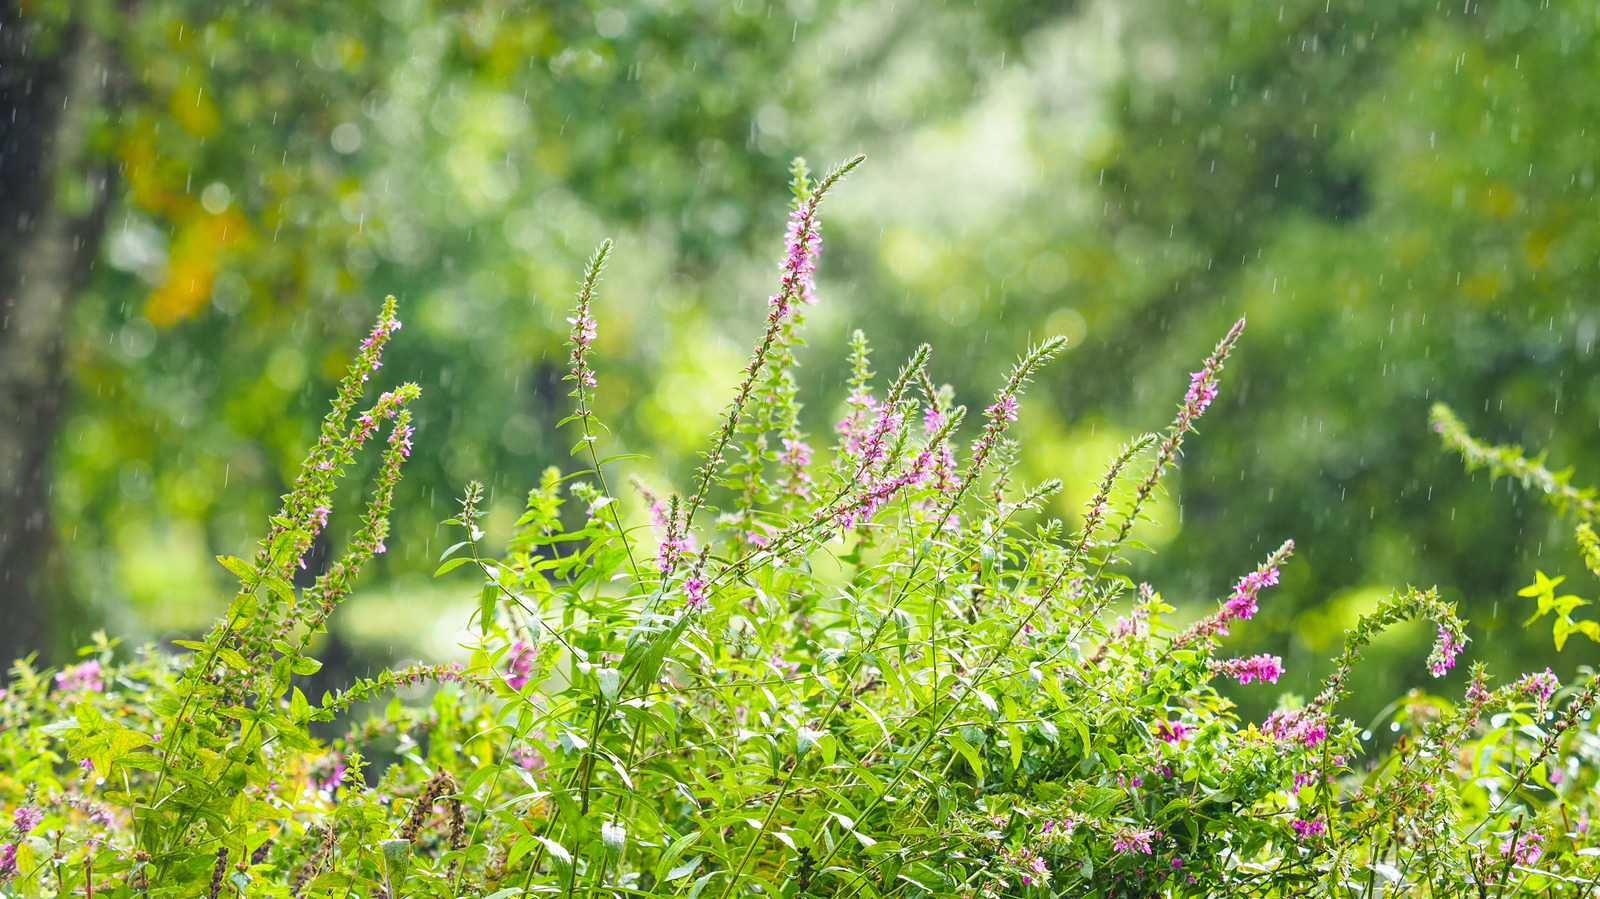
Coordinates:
column 1539, row 686
column 24, row 820
column 1242, row 604
column 1307, row 828
column 802, row 244
column 1134, row 840
column 519, row 664
column 1297, row 726
column 1263, row 667
column 1445, row 650
column 84, row 676
column 1523, row 849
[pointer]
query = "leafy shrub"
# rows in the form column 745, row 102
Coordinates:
column 874, row 671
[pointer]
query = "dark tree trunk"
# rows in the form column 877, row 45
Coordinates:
column 53, row 197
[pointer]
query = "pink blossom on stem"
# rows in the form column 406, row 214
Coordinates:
column 85, row 676
column 1525, row 849
column 1264, row 668
column 1449, row 645
column 802, row 244
column 1202, row 390
column 794, row 458
column 1307, row 829
column 1005, row 409
column 1131, row 840
column 694, row 591
column 1174, row 732
column 26, row 818
column 1297, row 726
column 1539, row 686
column 1242, row 604
column 520, row 664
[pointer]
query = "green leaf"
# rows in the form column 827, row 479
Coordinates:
column 243, row 607
column 521, row 847
column 245, row 571
column 684, row 870
column 615, row 839
column 557, row 852
column 676, row 850
column 451, row 565
column 805, row 738
column 974, row 760
column 700, row 885
column 610, row 680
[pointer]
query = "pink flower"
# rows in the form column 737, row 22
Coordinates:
column 520, row 667
column 1264, row 668
column 794, row 457
column 1242, row 604
column 694, row 590
column 81, row 677
column 801, row 246
column 1128, row 840
column 1525, row 850
column 1445, row 650
column 1174, row 732
column 327, row 776
column 1307, row 829
column 1003, row 410
column 1539, row 686
column 26, row 818
column 527, row 759
column 1296, row 726
column 1202, row 390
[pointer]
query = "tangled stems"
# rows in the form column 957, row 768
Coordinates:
column 1000, row 415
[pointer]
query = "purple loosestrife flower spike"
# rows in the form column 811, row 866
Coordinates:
column 1241, row 604
column 311, row 490
column 1445, row 649
column 1524, row 849
column 584, row 330
column 797, row 271
column 26, row 818
column 1264, row 668
column 1202, row 390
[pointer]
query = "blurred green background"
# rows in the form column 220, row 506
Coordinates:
column 1399, row 194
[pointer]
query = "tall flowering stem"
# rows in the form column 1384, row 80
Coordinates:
column 584, row 331
column 335, row 583
column 796, row 284
column 581, row 374
column 774, row 404
column 1411, row 604
column 249, row 623
column 309, row 499
column 1202, row 390
column 1241, row 604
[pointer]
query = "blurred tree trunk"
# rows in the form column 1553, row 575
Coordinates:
column 53, row 197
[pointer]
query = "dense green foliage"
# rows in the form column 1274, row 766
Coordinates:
column 885, row 670
column 1395, row 193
